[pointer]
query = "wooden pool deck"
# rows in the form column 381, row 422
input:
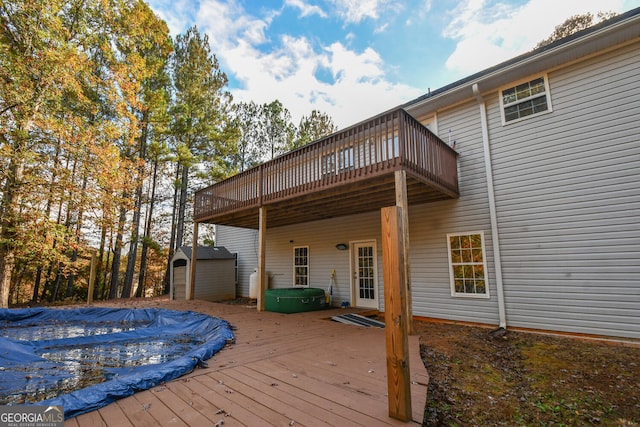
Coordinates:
column 283, row 370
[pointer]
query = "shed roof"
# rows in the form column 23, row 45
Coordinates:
column 208, row 252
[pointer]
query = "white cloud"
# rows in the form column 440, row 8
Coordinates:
column 355, row 11
column 419, row 13
column 305, row 9
column 359, row 89
column 381, row 28
column 350, row 37
column 176, row 13
column 287, row 70
column 488, row 34
column 227, row 24
column 428, row 4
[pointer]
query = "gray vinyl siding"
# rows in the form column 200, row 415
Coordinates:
column 321, row 237
column 430, row 223
column 568, row 198
column 244, row 242
column 431, row 289
column 567, row 188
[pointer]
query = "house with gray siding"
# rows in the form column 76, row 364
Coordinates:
column 521, row 183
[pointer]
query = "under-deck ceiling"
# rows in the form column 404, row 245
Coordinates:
column 349, row 199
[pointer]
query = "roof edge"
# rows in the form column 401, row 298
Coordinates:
column 555, row 48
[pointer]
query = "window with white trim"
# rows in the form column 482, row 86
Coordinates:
column 345, row 159
column 328, row 164
column 337, row 162
column 467, row 265
column 525, row 99
column 301, row 266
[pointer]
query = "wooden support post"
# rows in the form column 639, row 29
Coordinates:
column 397, row 339
column 92, row 277
column 262, row 273
column 194, row 259
column 403, row 203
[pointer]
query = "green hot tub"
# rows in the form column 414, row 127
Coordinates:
column 294, row 300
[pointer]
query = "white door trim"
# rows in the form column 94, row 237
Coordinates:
column 353, row 257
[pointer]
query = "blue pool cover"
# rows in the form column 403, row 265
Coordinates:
column 86, row 358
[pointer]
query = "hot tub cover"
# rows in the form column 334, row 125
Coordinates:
column 294, row 300
column 29, row 338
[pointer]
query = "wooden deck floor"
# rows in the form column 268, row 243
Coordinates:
column 296, row 369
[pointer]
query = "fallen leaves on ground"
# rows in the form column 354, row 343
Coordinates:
column 483, row 377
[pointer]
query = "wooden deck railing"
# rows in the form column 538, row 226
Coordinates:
column 381, row 145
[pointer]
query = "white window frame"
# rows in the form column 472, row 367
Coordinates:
column 546, row 94
column 328, row 164
column 345, row 159
column 471, row 263
column 341, row 160
column 296, row 266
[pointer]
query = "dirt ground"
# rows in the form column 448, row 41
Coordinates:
column 484, row 377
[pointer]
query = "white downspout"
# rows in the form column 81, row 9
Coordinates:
column 492, row 205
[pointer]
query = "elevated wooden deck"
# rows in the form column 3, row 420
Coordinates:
column 349, row 172
column 284, row 369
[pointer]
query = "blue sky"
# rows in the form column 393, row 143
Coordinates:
column 356, row 58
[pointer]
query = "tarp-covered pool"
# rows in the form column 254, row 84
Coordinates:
column 86, row 358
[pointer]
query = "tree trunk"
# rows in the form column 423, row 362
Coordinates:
column 180, row 224
column 172, row 247
column 184, row 182
column 11, row 198
column 135, row 226
column 105, row 274
column 70, row 279
column 7, row 262
column 48, row 284
column 54, row 175
column 36, row 285
column 19, row 276
column 54, row 294
column 107, row 267
column 147, row 232
column 78, row 227
column 117, row 253
column 101, row 281
column 133, row 249
column 67, row 222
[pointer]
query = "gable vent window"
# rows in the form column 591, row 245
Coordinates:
column 525, row 99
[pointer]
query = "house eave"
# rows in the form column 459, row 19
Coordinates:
column 608, row 35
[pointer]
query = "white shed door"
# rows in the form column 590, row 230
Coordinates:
column 179, row 282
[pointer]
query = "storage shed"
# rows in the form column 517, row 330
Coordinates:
column 215, row 274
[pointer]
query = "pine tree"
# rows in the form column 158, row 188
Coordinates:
column 201, row 127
